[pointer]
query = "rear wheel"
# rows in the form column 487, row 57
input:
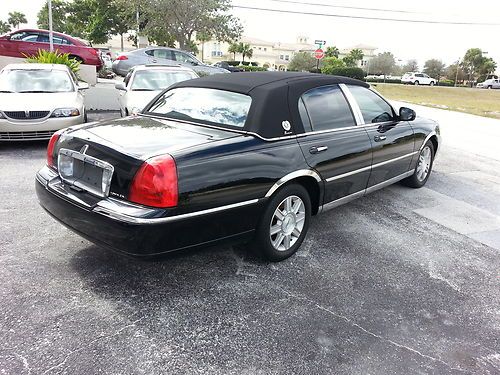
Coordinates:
column 423, row 168
column 284, row 224
column 432, row 83
column 489, row 87
column 416, row 83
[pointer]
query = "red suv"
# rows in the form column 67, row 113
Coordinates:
column 28, row 41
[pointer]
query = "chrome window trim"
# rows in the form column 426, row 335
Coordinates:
column 370, row 167
column 356, row 111
column 291, row 176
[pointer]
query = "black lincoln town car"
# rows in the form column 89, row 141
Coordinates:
column 243, row 156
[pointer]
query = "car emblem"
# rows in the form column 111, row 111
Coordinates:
column 286, row 125
column 27, row 114
column 84, row 149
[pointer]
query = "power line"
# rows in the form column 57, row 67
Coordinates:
column 348, row 7
column 367, row 17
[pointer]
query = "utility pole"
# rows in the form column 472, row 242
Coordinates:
column 137, row 19
column 51, row 36
column 456, row 75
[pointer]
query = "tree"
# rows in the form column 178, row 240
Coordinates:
column 472, row 62
column 434, row 68
column 332, row 52
column 203, row 37
column 452, row 74
column 489, row 66
column 16, row 18
column 383, row 63
column 357, row 55
column 302, row 61
column 349, row 61
column 245, row 50
column 410, row 66
column 234, row 49
column 4, row 27
column 330, row 64
column 59, row 13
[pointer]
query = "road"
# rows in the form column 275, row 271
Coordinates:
column 400, row 281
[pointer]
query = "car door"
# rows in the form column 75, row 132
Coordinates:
column 333, row 144
column 160, row 56
column 23, row 43
column 393, row 141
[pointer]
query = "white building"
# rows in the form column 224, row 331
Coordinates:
column 368, row 54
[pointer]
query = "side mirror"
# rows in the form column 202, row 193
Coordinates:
column 83, row 86
column 120, row 86
column 407, row 114
column 194, row 63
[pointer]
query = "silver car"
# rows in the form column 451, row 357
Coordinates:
column 144, row 82
column 36, row 100
column 162, row 56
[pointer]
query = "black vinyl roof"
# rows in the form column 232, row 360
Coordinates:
column 274, row 96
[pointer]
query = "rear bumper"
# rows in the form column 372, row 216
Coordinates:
column 141, row 231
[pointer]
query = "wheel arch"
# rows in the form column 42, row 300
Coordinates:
column 307, row 178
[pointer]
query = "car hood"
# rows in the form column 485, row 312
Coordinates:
column 139, row 99
column 39, row 101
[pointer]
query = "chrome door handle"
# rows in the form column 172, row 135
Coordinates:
column 379, row 138
column 318, row 149
column 154, row 60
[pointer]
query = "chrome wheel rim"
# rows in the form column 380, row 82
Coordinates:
column 424, row 163
column 287, row 223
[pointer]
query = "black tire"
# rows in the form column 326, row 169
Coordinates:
column 262, row 242
column 416, row 83
column 432, row 83
column 85, row 118
column 489, row 87
column 414, row 181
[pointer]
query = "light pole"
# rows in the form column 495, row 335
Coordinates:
column 456, row 75
column 51, row 39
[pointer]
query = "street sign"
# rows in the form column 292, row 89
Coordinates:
column 320, row 42
column 319, row 54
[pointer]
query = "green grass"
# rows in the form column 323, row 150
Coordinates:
column 480, row 102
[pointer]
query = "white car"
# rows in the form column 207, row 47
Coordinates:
column 415, row 78
column 144, row 82
column 493, row 83
column 36, row 100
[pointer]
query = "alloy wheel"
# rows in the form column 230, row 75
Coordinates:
column 287, row 223
column 424, row 163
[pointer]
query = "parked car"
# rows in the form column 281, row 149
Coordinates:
column 416, row 78
column 243, row 156
column 492, row 83
column 144, row 82
column 225, row 65
column 163, row 56
column 28, row 41
column 36, row 100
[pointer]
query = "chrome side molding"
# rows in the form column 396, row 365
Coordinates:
column 291, row 176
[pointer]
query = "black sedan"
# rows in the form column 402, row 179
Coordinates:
column 236, row 157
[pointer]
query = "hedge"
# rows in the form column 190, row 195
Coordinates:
column 356, row 73
column 247, row 68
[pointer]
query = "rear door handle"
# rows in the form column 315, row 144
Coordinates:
column 317, row 149
column 379, row 138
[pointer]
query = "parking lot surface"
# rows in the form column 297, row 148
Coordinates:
column 400, row 281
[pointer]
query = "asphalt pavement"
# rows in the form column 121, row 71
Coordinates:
column 402, row 281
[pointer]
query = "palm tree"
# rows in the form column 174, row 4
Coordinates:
column 203, row 37
column 332, row 52
column 234, row 48
column 16, row 18
column 4, row 27
column 356, row 54
column 245, row 50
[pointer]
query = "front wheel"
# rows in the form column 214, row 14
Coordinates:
column 284, row 224
column 432, row 83
column 423, row 168
column 416, row 83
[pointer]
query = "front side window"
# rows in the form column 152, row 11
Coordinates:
column 203, row 104
column 327, row 108
column 154, row 80
column 25, row 36
column 184, row 57
column 373, row 108
column 35, row 81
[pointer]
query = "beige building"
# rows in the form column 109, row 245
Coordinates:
column 368, row 54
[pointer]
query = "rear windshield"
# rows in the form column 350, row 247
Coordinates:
column 151, row 80
column 37, row 80
column 203, row 104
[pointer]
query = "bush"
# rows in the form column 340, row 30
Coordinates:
column 356, row 73
column 446, row 82
column 248, row 68
column 47, row 57
column 232, row 63
column 381, row 80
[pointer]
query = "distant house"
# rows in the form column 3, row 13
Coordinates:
column 368, row 54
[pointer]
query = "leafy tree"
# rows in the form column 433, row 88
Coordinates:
column 489, row 66
column 234, row 49
column 410, row 66
column 59, row 13
column 383, row 63
column 16, row 18
column 349, row 61
column 472, row 62
column 330, row 64
column 245, row 50
column 452, row 74
column 302, row 61
column 434, row 68
column 4, row 27
column 357, row 55
column 332, row 52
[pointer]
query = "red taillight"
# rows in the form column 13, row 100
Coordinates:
column 50, row 149
column 155, row 183
column 122, row 57
column 93, row 51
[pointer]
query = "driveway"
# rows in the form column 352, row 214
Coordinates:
column 400, row 281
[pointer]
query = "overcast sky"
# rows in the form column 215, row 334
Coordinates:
column 405, row 40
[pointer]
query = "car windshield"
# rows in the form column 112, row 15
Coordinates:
column 151, row 80
column 36, row 80
column 205, row 105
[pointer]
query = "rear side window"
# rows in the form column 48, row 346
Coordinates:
column 373, row 108
column 327, row 108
